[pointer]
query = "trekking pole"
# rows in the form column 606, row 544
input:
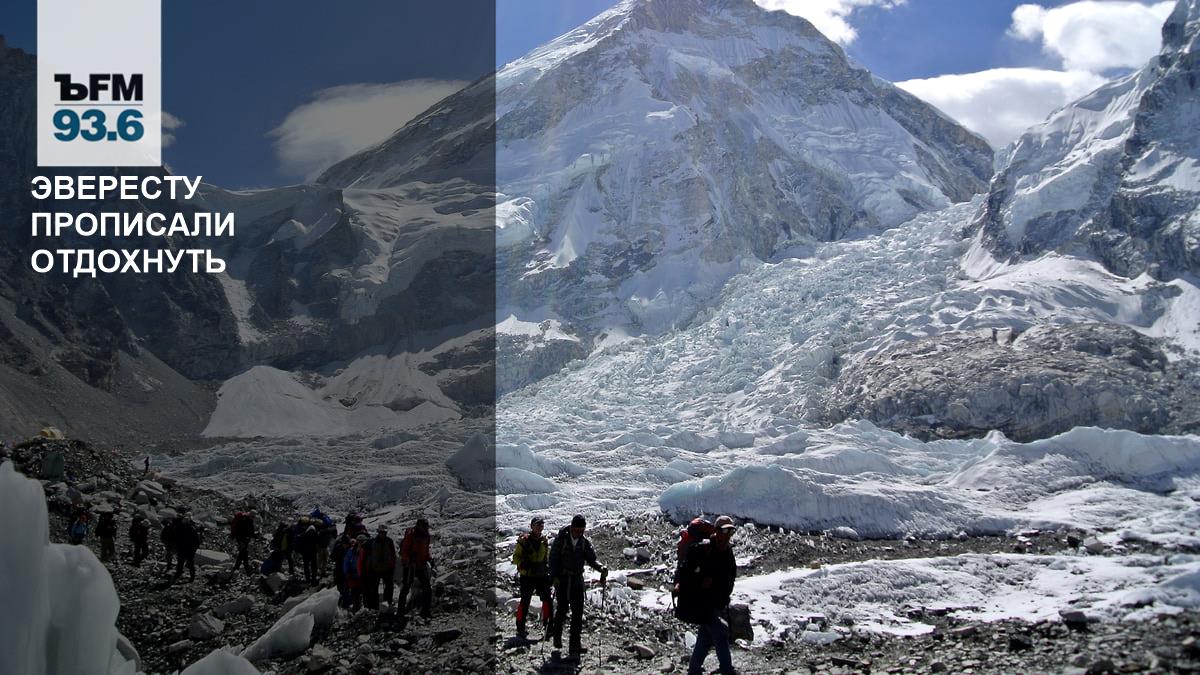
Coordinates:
column 600, row 632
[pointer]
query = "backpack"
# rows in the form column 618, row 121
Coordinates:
column 168, row 533
column 690, row 603
column 350, row 565
column 382, row 557
column 696, row 531
column 78, row 530
column 107, row 527
column 241, row 525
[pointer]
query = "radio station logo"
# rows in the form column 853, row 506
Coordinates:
column 99, row 83
column 104, row 107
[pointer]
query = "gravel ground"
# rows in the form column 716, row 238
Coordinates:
column 472, row 627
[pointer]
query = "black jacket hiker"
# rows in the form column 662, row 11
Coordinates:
column 567, row 558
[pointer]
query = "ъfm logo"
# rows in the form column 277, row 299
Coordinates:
column 100, row 89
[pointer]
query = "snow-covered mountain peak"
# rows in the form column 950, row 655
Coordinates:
column 646, row 157
column 652, row 153
column 638, row 19
column 1114, row 176
column 1182, row 26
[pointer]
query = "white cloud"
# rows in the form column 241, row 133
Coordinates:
column 169, row 124
column 831, row 17
column 342, row 120
column 1094, row 36
column 1090, row 37
column 1001, row 103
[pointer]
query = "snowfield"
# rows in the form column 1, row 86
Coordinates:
column 873, row 595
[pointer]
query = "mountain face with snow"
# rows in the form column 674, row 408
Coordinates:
column 647, row 156
column 1113, row 175
column 812, row 377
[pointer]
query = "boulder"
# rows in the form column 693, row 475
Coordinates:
column 210, row 557
column 205, row 627
column 740, row 625
column 643, row 651
column 234, row 607
column 274, row 582
column 320, row 658
column 844, row 532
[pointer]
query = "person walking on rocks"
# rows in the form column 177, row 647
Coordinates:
column 570, row 552
column 703, row 584
column 77, row 531
column 146, row 466
column 187, row 542
column 381, row 566
column 341, row 546
column 354, row 525
column 417, row 562
column 281, row 548
column 306, row 546
column 532, row 558
column 106, row 530
column 168, row 538
column 353, row 568
column 327, row 531
column 139, row 536
column 242, row 530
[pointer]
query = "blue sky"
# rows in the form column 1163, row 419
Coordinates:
column 255, row 93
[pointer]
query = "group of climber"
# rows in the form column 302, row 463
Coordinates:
column 360, row 561
column 560, row 564
column 703, row 583
column 363, row 562
column 180, row 535
column 309, row 537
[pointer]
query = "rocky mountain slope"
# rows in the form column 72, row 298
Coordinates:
column 320, row 283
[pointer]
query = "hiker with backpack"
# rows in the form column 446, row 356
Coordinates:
column 326, row 533
column 241, row 529
column 106, row 531
column 306, row 546
column 417, row 565
column 281, row 550
column 354, row 525
column 167, row 537
column 353, row 566
column 532, row 558
column 139, row 536
column 341, row 546
column 187, row 542
column 77, row 530
column 569, row 553
column 703, row 586
column 381, row 566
